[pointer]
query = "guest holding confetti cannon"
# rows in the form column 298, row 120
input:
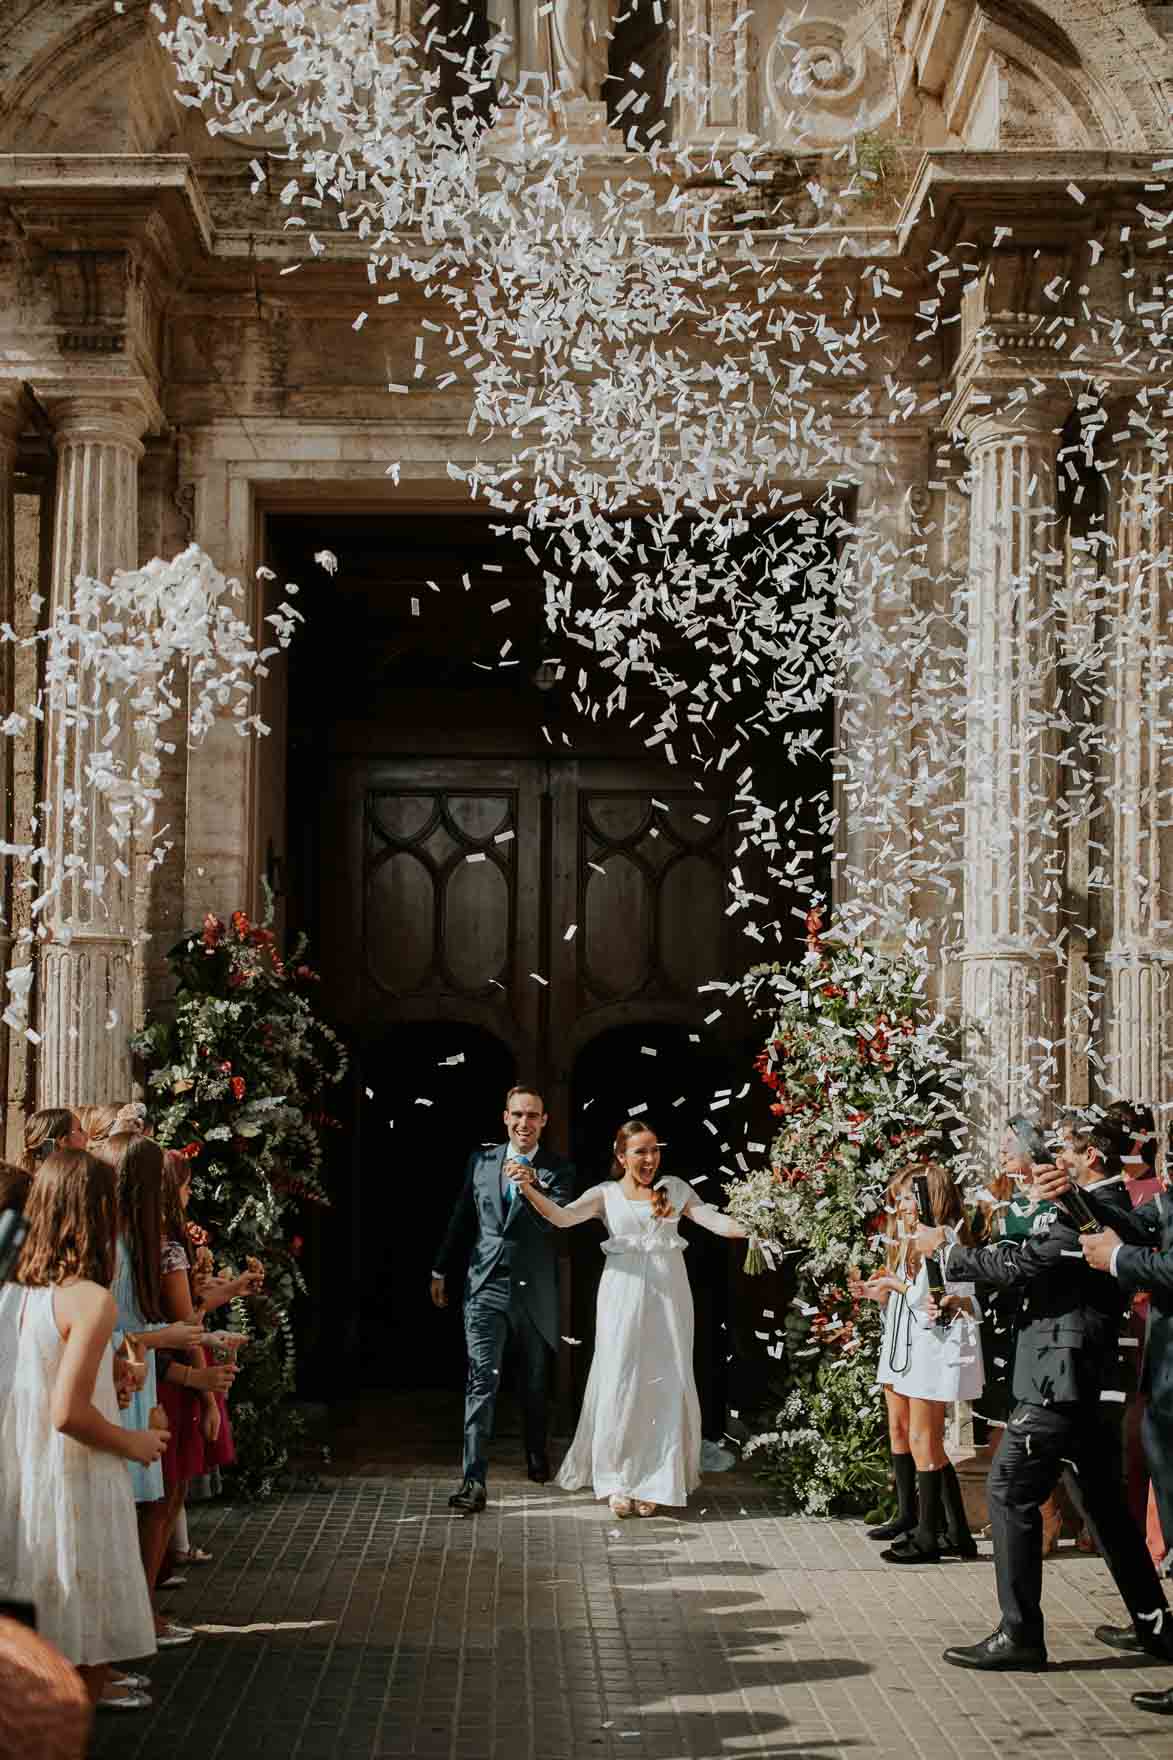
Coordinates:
column 1065, row 1357
column 929, row 1357
column 1135, row 1248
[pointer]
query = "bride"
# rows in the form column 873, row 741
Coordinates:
column 638, row 1440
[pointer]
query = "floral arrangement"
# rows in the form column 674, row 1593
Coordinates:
column 861, row 1072
column 234, row 1080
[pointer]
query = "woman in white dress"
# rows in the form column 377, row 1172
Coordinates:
column 76, row 1540
column 638, row 1440
column 930, row 1357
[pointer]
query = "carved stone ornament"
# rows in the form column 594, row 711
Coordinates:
column 826, row 79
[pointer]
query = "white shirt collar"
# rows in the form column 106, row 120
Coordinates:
column 1097, row 1185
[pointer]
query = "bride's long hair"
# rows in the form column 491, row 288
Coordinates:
column 638, row 1127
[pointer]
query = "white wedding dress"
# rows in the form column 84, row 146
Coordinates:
column 639, row 1433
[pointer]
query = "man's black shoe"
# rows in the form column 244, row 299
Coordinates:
column 998, row 1651
column 538, row 1467
column 965, row 1547
column 1162, row 1703
column 910, row 1551
column 1119, row 1638
column 893, row 1530
column 470, row 1499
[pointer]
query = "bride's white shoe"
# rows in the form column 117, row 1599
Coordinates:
column 620, row 1505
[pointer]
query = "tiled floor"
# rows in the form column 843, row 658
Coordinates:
column 365, row 1620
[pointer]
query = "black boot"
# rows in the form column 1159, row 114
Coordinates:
column 960, row 1543
column 923, row 1547
column 904, row 1521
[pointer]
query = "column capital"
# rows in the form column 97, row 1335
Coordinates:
column 988, row 417
column 115, row 414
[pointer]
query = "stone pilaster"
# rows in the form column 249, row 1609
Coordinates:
column 1136, row 960
column 86, row 965
column 10, row 426
column 878, row 880
column 1012, row 991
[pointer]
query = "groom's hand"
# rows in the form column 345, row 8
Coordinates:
column 439, row 1292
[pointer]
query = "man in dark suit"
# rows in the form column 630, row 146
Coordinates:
column 1066, row 1355
column 511, row 1287
column 1137, row 1249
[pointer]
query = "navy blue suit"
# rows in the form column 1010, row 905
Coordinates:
column 511, row 1289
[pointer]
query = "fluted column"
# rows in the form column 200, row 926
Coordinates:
column 85, row 968
column 1014, row 855
column 1136, row 960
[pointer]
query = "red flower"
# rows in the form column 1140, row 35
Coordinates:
column 226, row 1068
column 237, row 1086
column 295, row 1246
column 191, row 1150
column 213, row 931
column 240, row 924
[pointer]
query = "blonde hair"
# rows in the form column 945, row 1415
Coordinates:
column 944, row 1202
column 102, row 1122
column 638, row 1127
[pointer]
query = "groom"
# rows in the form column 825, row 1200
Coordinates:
column 512, row 1285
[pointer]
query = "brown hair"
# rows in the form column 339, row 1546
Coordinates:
column 638, row 1127
column 15, row 1185
column 72, row 1222
column 138, row 1170
column 944, row 1202
column 42, row 1132
column 525, row 1088
column 176, row 1173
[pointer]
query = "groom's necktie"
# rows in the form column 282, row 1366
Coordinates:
column 509, row 1195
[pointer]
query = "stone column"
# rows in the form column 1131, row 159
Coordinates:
column 1136, row 960
column 85, row 968
column 1012, row 994
column 10, row 426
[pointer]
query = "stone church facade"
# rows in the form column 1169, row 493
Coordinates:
column 162, row 381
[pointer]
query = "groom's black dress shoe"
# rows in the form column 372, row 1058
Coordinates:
column 1162, row 1703
column 538, row 1468
column 470, row 1499
column 998, row 1651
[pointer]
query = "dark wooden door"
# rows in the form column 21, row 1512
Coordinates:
column 486, row 919
column 543, row 902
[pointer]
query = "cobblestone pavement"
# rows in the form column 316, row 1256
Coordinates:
column 365, row 1620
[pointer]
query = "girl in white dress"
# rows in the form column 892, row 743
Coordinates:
column 929, row 1357
column 76, row 1550
column 638, row 1440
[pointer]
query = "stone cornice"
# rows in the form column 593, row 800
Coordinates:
column 969, row 195
column 106, row 201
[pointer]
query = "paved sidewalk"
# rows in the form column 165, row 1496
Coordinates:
column 365, row 1620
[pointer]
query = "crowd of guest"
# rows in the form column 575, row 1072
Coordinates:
column 114, row 1391
column 1021, row 1306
